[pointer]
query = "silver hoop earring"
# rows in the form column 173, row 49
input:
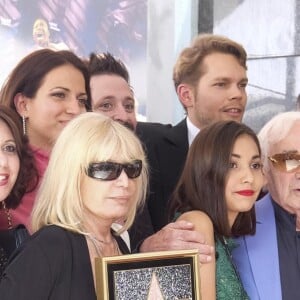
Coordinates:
column 24, row 125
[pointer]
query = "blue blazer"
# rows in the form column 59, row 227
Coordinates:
column 257, row 256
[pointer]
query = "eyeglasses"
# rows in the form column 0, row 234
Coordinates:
column 109, row 170
column 287, row 162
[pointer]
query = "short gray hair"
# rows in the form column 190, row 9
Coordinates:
column 274, row 131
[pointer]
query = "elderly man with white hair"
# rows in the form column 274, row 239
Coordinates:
column 269, row 261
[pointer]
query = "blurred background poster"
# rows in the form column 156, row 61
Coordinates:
column 83, row 26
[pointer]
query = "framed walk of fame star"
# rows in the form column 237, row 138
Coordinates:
column 149, row 276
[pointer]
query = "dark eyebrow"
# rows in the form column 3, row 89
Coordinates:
column 67, row 90
column 107, row 97
column 245, row 79
column 114, row 98
column 238, row 156
column 60, row 87
column 82, row 94
column 221, row 79
column 11, row 140
column 129, row 98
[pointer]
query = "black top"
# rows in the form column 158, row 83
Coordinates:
column 3, row 259
column 53, row 264
column 10, row 240
column 288, row 252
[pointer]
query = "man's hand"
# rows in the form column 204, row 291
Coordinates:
column 178, row 236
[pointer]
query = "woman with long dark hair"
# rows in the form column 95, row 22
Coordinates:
column 47, row 89
column 220, row 182
column 17, row 176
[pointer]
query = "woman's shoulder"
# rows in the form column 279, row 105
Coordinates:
column 54, row 237
column 47, row 248
column 201, row 221
column 51, row 232
column 196, row 216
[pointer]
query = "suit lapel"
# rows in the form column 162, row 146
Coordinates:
column 178, row 136
column 263, row 252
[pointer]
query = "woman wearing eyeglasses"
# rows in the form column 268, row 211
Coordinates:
column 269, row 261
column 96, row 175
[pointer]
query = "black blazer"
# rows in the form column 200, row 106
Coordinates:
column 166, row 148
column 142, row 226
column 53, row 264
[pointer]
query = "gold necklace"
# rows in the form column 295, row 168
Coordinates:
column 97, row 247
column 100, row 241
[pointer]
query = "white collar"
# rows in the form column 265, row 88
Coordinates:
column 192, row 130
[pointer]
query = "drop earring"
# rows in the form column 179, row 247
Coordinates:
column 24, row 124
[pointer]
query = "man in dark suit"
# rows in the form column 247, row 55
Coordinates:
column 166, row 164
column 112, row 95
column 210, row 80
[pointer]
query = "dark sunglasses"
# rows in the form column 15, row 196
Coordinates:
column 109, row 170
column 287, row 162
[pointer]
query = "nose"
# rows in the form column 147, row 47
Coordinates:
column 122, row 180
column 247, row 176
column 3, row 160
column 237, row 92
column 74, row 107
column 120, row 114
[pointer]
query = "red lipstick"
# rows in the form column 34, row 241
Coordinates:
column 247, row 193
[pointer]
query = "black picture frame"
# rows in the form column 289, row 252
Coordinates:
column 157, row 275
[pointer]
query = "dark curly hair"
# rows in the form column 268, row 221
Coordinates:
column 27, row 179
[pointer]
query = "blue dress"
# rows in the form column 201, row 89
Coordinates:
column 228, row 283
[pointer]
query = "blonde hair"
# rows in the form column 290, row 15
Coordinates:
column 274, row 131
column 89, row 137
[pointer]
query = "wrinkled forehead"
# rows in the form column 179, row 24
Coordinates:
column 289, row 143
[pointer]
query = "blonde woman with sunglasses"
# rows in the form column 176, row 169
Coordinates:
column 96, row 175
column 268, row 262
